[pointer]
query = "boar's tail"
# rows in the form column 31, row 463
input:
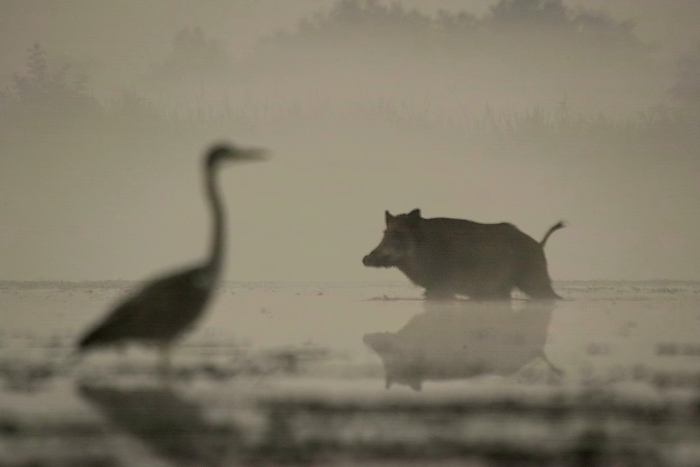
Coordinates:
column 552, row 229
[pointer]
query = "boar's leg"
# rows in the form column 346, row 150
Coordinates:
column 502, row 293
column 535, row 281
column 541, row 291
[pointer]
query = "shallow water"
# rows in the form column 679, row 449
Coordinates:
column 360, row 373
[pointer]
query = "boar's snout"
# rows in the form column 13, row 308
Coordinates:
column 376, row 260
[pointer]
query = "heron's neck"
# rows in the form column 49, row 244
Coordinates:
column 217, row 250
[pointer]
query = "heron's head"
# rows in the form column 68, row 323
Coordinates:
column 230, row 152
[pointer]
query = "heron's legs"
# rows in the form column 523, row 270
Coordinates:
column 165, row 366
column 558, row 371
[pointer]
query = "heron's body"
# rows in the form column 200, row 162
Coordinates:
column 187, row 292
column 165, row 308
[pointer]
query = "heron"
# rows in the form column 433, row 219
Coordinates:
column 165, row 308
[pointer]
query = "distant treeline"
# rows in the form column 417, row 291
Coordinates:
column 541, row 37
column 511, row 27
column 535, row 33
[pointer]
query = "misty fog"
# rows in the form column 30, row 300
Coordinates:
column 525, row 111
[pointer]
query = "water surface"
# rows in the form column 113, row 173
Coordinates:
column 360, row 373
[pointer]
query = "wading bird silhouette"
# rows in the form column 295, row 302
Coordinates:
column 165, row 308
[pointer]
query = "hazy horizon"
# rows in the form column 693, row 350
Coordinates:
column 590, row 119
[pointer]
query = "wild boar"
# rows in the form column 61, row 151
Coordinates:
column 464, row 339
column 457, row 256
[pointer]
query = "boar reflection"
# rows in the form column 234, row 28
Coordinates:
column 174, row 428
column 463, row 339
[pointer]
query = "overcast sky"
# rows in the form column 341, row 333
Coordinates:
column 316, row 208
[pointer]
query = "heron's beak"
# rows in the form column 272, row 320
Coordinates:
column 251, row 154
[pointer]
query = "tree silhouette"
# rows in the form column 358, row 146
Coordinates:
column 36, row 83
column 549, row 14
column 194, row 54
column 522, row 28
column 686, row 89
column 549, row 29
column 52, row 91
column 362, row 21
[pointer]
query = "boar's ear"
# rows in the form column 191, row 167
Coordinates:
column 413, row 217
column 388, row 217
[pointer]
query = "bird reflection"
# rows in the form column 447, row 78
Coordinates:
column 463, row 339
column 172, row 427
